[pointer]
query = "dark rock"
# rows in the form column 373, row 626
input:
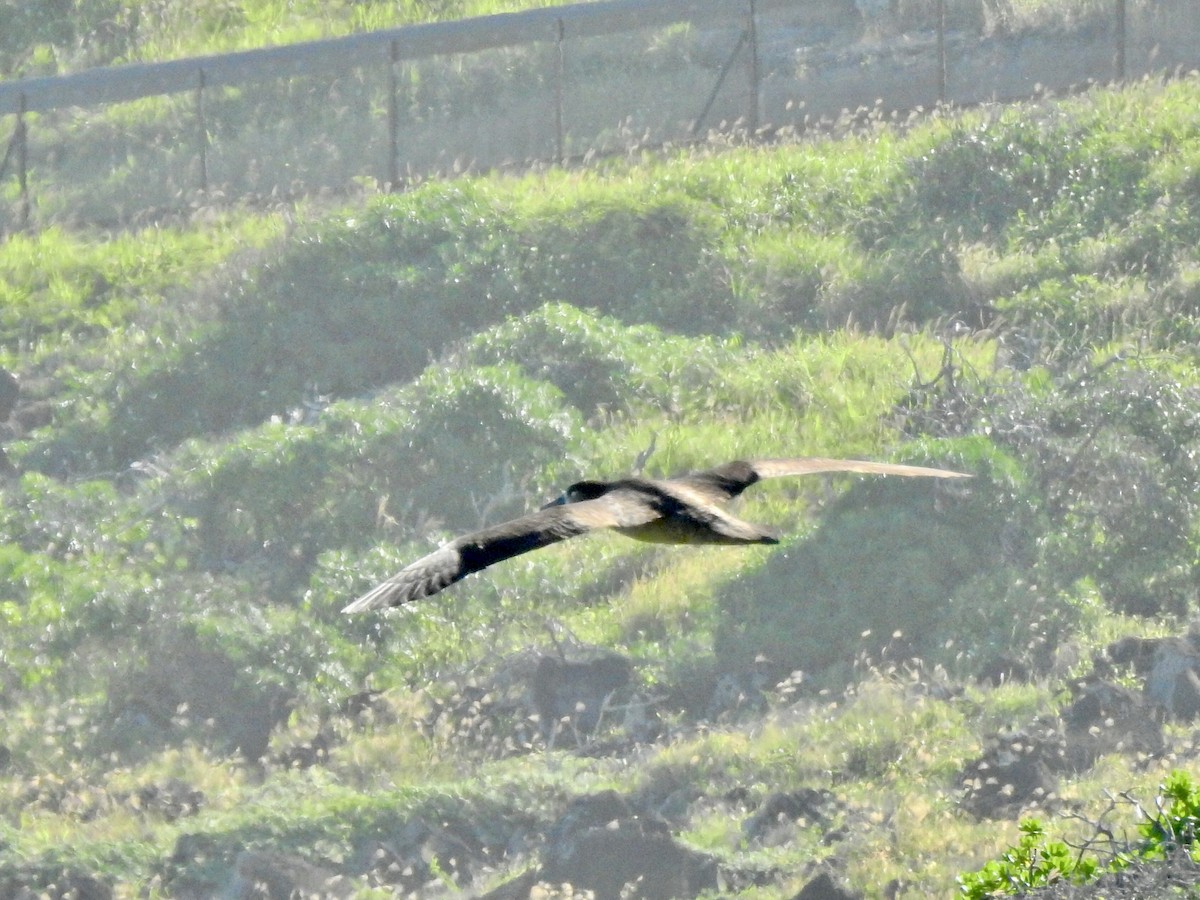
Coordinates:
column 591, row 811
column 574, row 693
column 187, row 687
column 1020, row 768
column 1170, row 667
column 196, row 868
column 789, row 806
column 736, row 692
column 193, row 850
column 642, row 723
column 1108, row 718
column 1171, row 878
column 1016, row 771
column 365, row 707
column 63, row 884
column 425, row 851
column 1137, row 652
column 171, row 800
column 1173, row 680
column 601, row 845
column 823, row 887
column 34, row 414
column 630, row 860
column 268, row 875
column 1003, row 670
column 518, row 888
column 10, row 391
column 495, row 718
column 75, row 797
column 313, row 752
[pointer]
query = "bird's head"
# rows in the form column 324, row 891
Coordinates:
column 580, row 490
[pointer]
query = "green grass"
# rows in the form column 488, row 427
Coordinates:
column 77, row 287
column 182, row 529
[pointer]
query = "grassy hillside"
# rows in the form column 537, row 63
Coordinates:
column 229, row 428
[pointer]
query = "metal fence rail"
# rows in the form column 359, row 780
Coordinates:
column 544, row 84
column 132, row 82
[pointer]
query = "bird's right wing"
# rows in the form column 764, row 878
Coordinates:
column 473, row 552
column 423, row 578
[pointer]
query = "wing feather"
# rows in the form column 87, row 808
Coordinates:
column 476, row 551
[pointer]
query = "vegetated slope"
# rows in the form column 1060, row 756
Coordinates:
column 221, row 447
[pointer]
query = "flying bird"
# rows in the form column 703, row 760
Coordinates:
column 687, row 509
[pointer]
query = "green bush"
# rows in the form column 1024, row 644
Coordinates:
column 1178, row 820
column 94, row 30
column 359, row 302
column 646, row 260
column 438, row 451
column 892, row 555
column 598, row 362
column 1033, row 863
column 1036, row 862
column 1078, row 311
column 1032, row 178
column 1107, row 449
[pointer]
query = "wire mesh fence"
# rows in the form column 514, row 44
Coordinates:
column 386, row 109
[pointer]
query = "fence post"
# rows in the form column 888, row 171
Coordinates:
column 560, row 77
column 1119, row 59
column 21, row 139
column 752, row 74
column 202, row 131
column 393, row 118
column 941, row 50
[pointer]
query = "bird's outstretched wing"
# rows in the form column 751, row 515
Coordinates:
column 725, row 482
column 686, row 505
column 478, row 550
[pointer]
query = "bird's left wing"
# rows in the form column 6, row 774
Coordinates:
column 727, row 481
column 775, row 468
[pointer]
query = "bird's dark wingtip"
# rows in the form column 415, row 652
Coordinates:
column 356, row 607
column 379, row 598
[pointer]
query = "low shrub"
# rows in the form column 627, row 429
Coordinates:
column 1038, row 862
column 887, row 567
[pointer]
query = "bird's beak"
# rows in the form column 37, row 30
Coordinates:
column 557, row 501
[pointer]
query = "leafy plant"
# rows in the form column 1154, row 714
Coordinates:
column 1037, row 862
column 1034, row 862
column 1174, row 828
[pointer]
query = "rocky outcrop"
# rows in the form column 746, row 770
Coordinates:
column 571, row 695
